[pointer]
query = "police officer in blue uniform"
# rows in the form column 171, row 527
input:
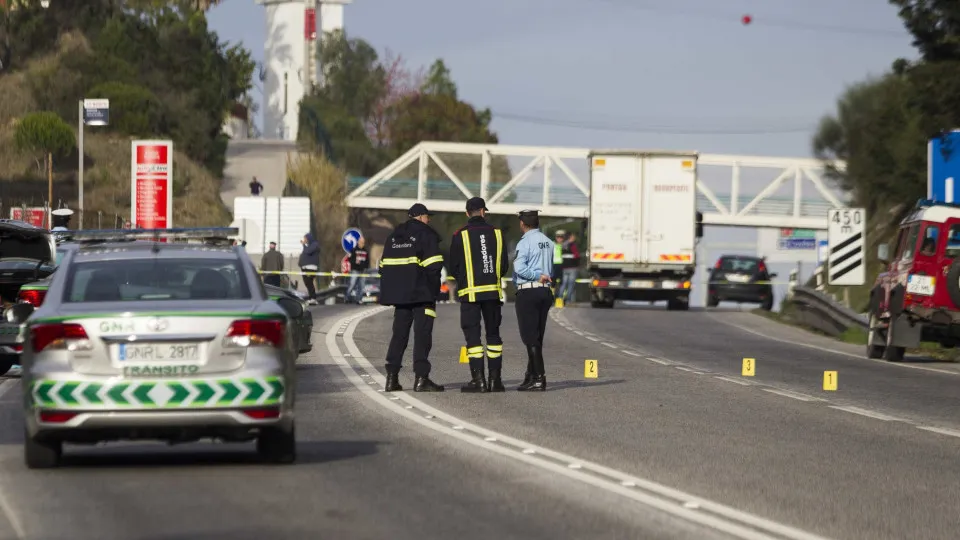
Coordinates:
column 410, row 281
column 477, row 262
column 532, row 269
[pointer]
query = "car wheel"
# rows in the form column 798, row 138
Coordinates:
column 767, row 303
column 41, row 454
column 277, row 445
column 713, row 301
column 5, row 365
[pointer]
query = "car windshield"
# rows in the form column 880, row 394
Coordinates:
column 156, row 279
column 747, row 266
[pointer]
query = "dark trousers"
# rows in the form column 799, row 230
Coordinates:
column 272, row 279
column 309, row 281
column 471, row 314
column 421, row 318
column 532, row 308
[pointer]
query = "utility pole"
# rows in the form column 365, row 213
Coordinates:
column 49, row 190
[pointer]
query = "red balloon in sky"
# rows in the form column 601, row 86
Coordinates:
column 746, row 19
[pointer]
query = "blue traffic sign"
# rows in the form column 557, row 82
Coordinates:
column 350, row 239
column 823, row 249
column 797, row 243
column 943, row 167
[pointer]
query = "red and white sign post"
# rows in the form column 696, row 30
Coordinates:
column 151, row 189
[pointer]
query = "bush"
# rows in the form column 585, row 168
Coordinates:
column 43, row 132
column 134, row 110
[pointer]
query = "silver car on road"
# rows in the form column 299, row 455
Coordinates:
column 158, row 339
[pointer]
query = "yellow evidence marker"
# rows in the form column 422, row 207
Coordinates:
column 463, row 356
column 749, row 367
column 558, row 303
column 830, row 381
column 590, row 369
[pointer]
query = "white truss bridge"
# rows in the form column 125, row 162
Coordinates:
column 737, row 191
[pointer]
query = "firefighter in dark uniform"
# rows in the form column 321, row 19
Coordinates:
column 410, row 281
column 477, row 262
column 532, row 269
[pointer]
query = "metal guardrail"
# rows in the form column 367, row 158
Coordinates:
column 818, row 310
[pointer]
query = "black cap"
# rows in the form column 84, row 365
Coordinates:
column 418, row 210
column 525, row 213
column 476, row 203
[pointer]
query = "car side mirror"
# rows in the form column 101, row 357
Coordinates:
column 883, row 253
column 773, row 275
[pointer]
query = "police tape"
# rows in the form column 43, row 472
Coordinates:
column 450, row 278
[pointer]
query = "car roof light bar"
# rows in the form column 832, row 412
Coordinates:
column 205, row 234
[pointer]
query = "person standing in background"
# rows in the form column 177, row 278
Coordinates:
column 359, row 264
column 255, row 187
column 309, row 261
column 557, row 259
column 570, row 266
column 272, row 261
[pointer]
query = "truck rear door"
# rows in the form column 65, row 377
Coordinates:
column 669, row 210
column 615, row 209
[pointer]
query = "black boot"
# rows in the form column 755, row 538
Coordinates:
column 424, row 384
column 540, row 379
column 477, row 383
column 531, row 375
column 495, row 384
column 393, row 385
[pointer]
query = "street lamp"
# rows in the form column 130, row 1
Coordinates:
column 44, row 4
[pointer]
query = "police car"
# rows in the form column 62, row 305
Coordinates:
column 172, row 337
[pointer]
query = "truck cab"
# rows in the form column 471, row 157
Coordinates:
column 917, row 297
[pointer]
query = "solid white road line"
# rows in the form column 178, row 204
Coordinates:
column 865, row 412
column 942, row 431
column 674, row 502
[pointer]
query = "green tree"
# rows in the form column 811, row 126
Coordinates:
column 134, row 110
column 43, row 133
column 438, row 80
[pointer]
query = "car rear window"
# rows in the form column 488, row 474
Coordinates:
column 156, row 280
column 747, row 266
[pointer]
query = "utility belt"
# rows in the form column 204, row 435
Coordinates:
column 534, row 285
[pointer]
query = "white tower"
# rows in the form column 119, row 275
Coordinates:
column 290, row 58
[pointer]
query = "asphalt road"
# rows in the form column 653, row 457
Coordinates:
column 363, row 473
column 659, row 411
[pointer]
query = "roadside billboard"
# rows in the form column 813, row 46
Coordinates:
column 151, row 188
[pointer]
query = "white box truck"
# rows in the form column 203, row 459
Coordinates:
column 643, row 226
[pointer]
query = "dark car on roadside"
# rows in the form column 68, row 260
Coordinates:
column 743, row 279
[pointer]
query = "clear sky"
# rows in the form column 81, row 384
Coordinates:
column 689, row 68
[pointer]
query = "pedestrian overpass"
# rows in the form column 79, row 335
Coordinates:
column 736, row 191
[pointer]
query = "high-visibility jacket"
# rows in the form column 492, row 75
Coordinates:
column 478, row 261
column 410, row 265
column 557, row 254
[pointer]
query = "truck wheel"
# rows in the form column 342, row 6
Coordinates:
column 277, row 445
column 5, row 365
column 41, row 454
column 875, row 351
column 953, row 282
column 678, row 304
column 891, row 353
